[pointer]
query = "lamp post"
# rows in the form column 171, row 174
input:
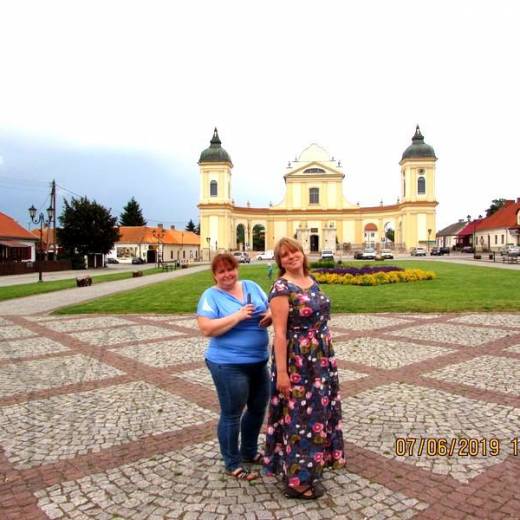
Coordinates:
column 208, row 240
column 159, row 235
column 429, row 233
column 40, row 220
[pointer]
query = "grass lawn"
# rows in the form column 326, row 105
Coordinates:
column 457, row 288
column 28, row 289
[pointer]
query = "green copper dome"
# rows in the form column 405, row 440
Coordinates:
column 418, row 148
column 215, row 152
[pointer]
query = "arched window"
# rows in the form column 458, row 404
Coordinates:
column 314, row 170
column 314, row 195
column 421, row 185
column 213, row 189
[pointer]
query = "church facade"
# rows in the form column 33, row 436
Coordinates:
column 314, row 209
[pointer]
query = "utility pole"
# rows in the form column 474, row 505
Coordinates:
column 53, row 235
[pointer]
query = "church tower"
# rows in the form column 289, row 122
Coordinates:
column 215, row 202
column 417, row 191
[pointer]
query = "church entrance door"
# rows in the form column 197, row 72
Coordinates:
column 315, row 243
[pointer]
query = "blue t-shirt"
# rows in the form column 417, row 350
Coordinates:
column 246, row 342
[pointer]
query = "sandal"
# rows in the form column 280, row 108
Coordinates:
column 315, row 493
column 242, row 474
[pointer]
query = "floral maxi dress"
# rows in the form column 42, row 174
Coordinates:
column 304, row 432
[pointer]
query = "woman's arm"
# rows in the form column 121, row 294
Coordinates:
column 280, row 313
column 218, row 326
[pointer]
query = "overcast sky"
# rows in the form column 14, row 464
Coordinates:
column 118, row 98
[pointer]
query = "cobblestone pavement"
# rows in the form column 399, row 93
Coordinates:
column 114, row 417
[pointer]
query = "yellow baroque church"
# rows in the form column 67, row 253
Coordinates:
column 314, row 209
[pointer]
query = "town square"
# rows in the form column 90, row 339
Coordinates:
column 259, row 261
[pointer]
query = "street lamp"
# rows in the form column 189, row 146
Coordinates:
column 208, row 240
column 159, row 235
column 40, row 220
column 429, row 233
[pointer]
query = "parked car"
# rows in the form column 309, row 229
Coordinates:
column 265, row 255
column 327, row 254
column 368, row 254
column 242, row 257
column 358, row 255
column 138, row 260
column 436, row 251
column 418, row 251
column 110, row 260
column 510, row 250
column 445, row 250
column 387, row 254
column 467, row 249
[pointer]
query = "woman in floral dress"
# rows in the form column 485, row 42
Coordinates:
column 304, row 420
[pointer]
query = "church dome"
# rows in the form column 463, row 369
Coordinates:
column 215, row 152
column 314, row 153
column 418, row 148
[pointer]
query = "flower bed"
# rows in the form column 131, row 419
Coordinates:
column 356, row 271
column 380, row 277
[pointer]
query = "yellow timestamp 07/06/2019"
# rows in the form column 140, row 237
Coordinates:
column 452, row 447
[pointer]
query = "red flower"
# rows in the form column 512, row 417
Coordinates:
column 305, row 311
column 317, row 427
column 295, row 378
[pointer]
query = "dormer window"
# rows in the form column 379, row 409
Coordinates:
column 213, row 189
column 314, row 170
column 421, row 185
column 314, row 195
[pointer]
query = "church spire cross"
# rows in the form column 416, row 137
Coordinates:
column 215, row 140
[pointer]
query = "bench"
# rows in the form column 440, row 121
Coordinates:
column 510, row 259
column 83, row 281
column 169, row 266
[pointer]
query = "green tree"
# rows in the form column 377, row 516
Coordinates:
column 190, row 226
column 87, row 227
column 496, row 204
column 197, row 229
column 390, row 234
column 132, row 214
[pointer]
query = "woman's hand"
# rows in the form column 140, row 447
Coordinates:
column 245, row 312
column 283, row 385
column 266, row 320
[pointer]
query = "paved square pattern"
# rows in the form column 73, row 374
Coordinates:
column 53, row 372
column 108, row 337
column 167, row 353
column 377, row 417
column 364, row 321
column 195, row 488
column 497, row 320
column 456, row 334
column 86, row 323
column 386, row 354
column 137, row 440
column 35, row 346
column 64, row 426
column 3, row 322
column 487, row 372
column 15, row 332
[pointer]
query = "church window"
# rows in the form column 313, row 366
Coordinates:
column 213, row 189
column 313, row 170
column 314, row 195
column 421, row 185
column 404, row 186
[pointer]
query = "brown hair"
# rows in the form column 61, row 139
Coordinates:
column 224, row 259
column 292, row 245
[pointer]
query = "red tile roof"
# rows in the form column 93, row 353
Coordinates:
column 48, row 235
column 11, row 230
column 505, row 217
column 145, row 235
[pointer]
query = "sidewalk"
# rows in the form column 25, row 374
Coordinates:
column 115, row 417
column 54, row 300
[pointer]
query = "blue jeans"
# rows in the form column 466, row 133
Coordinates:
column 239, row 387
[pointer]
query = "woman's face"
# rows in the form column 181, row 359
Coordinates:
column 291, row 261
column 225, row 276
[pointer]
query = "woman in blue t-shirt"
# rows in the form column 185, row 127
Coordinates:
column 234, row 315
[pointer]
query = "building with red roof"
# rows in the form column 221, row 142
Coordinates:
column 17, row 244
column 148, row 243
column 500, row 229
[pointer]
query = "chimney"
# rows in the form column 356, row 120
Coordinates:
column 172, row 227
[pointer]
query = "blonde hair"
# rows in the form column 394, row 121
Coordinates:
column 292, row 245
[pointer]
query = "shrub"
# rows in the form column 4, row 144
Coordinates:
column 323, row 264
column 373, row 278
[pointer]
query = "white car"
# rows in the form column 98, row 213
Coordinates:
column 265, row 255
column 327, row 254
column 418, row 251
column 387, row 254
column 368, row 254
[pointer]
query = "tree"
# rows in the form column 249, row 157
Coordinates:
column 87, row 227
column 132, row 214
column 390, row 234
column 190, row 226
column 197, row 229
column 496, row 204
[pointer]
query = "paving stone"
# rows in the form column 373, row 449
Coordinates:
column 15, row 332
column 166, row 353
column 487, row 372
column 3, row 322
column 349, row 375
column 109, row 337
column 456, row 334
column 364, row 321
column 47, row 430
column 200, row 376
column 385, row 354
column 28, row 376
column 85, row 323
column 492, row 319
column 35, row 346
